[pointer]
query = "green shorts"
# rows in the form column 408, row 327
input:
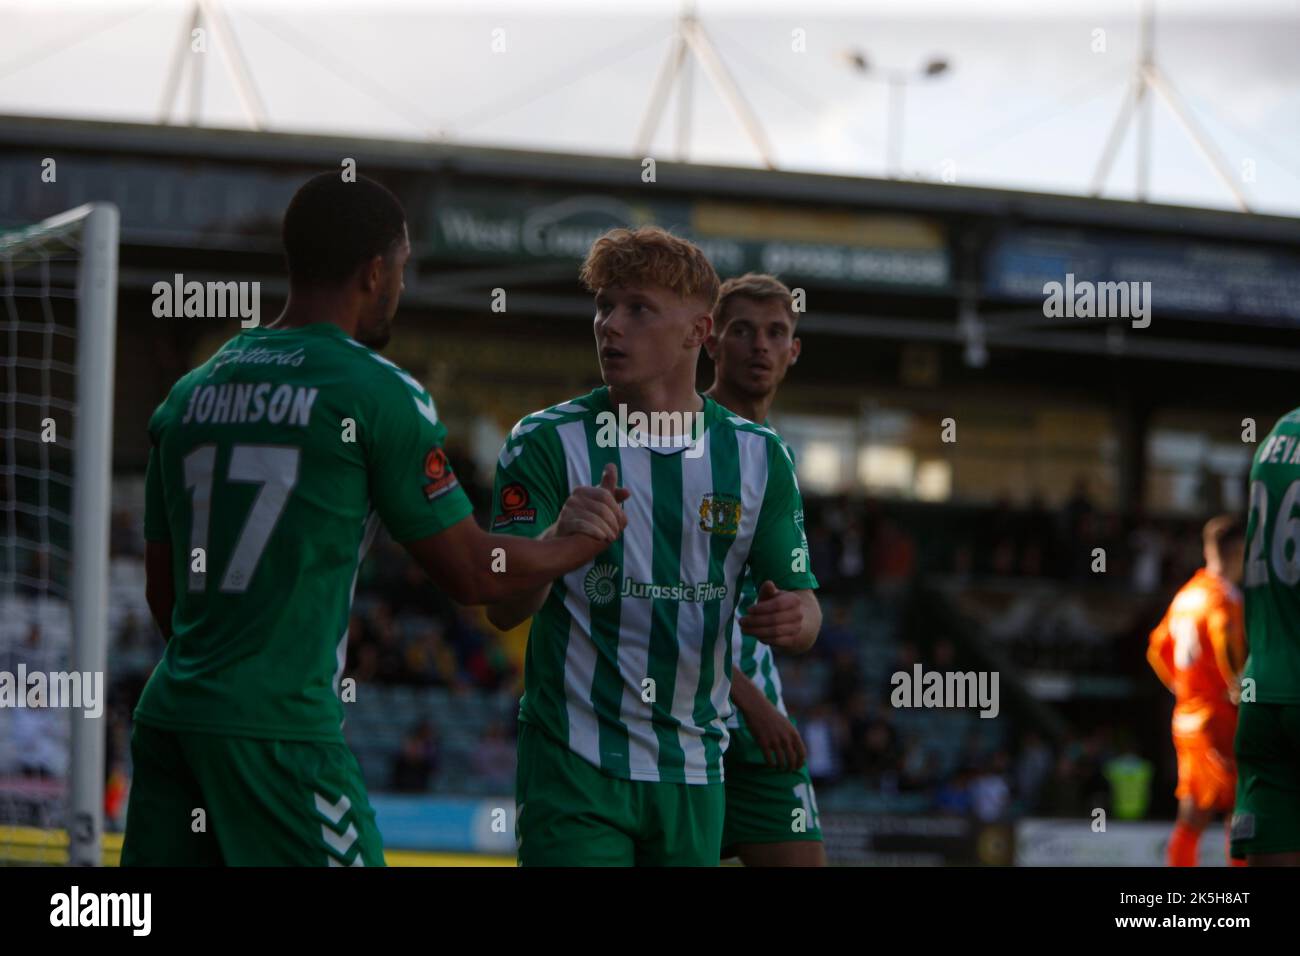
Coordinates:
column 764, row 804
column 1266, row 818
column 262, row 803
column 570, row 813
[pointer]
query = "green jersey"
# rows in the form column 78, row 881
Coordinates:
column 1273, row 566
column 629, row 659
column 753, row 657
column 272, row 464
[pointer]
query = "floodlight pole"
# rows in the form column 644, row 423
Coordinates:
column 690, row 38
column 211, row 13
column 1147, row 78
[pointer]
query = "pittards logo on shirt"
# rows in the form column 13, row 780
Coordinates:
column 514, row 507
column 438, row 470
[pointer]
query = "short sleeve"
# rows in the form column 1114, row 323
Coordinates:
column 155, row 504
column 412, row 484
column 530, row 486
column 779, row 552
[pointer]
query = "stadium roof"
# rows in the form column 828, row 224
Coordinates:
column 243, row 146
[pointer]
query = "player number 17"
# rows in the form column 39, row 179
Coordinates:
column 275, row 468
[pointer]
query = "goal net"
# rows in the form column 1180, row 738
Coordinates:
column 58, row 293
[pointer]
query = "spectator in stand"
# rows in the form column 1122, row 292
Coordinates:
column 124, row 537
column 880, row 757
column 483, row 660
column 893, row 559
column 381, row 630
column 873, row 751
column 1088, row 535
column 963, row 560
column 429, row 661
column 802, row 683
column 990, row 792
column 1148, row 546
column 821, row 736
column 1037, row 548
column 1032, row 770
column 1094, row 755
column 953, row 798
column 489, row 666
column 837, row 634
column 973, row 754
column 1079, row 785
column 493, row 760
column 920, row 769
column 858, row 713
column 997, row 542
column 1077, row 507
column 943, row 655
column 417, row 761
column 845, row 678
column 853, row 561
column 38, row 733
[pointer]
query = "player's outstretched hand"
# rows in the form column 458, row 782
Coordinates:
column 775, row 618
column 595, row 510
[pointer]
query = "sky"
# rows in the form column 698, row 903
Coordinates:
column 1027, row 101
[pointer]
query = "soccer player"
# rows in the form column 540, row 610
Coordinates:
column 628, row 667
column 1197, row 651
column 767, row 784
column 271, row 465
column 1266, row 825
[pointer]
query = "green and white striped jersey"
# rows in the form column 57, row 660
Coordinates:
column 629, row 660
column 754, row 658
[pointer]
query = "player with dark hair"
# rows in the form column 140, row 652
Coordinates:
column 1197, row 651
column 771, row 807
column 331, row 227
column 272, row 464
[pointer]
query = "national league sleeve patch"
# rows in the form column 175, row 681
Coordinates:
column 437, row 470
column 513, row 507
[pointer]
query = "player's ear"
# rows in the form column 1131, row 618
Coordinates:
column 701, row 330
column 372, row 273
column 795, row 346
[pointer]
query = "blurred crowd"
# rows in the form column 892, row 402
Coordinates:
column 404, row 634
column 866, row 545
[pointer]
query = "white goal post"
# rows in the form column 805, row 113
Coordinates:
column 80, row 249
